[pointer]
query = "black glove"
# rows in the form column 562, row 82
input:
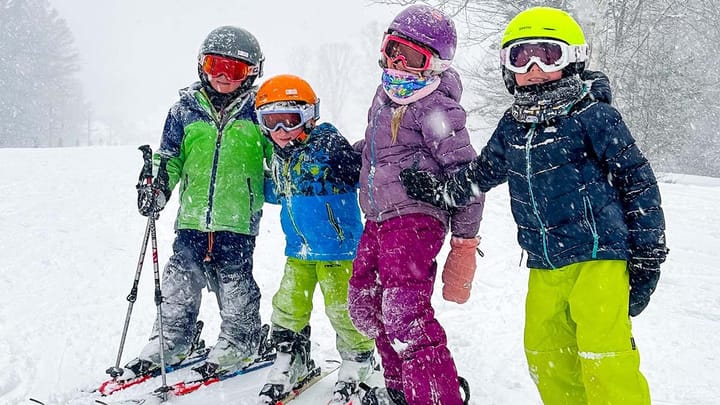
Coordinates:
column 153, row 197
column 644, row 276
column 423, row 186
column 151, row 200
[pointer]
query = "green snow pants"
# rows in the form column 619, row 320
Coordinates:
column 293, row 303
column 578, row 336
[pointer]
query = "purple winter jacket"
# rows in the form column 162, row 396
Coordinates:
column 431, row 134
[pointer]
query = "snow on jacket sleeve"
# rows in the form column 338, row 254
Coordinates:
column 634, row 179
column 444, row 133
column 486, row 171
column 344, row 161
column 170, row 147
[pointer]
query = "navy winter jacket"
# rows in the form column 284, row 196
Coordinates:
column 316, row 181
column 580, row 188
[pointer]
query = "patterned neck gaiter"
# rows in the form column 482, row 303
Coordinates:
column 405, row 88
column 542, row 102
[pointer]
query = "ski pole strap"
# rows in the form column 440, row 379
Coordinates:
column 146, row 172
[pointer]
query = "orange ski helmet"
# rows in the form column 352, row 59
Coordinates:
column 285, row 88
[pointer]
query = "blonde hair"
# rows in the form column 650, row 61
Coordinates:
column 395, row 122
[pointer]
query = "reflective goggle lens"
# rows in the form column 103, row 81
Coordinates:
column 233, row 69
column 272, row 121
column 411, row 55
column 550, row 55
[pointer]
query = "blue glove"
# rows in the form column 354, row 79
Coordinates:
column 644, row 276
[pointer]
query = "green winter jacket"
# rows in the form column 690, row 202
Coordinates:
column 218, row 158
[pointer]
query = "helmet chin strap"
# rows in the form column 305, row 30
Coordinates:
column 302, row 136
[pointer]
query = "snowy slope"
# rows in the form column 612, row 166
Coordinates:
column 70, row 242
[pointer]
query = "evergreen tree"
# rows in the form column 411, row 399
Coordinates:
column 42, row 101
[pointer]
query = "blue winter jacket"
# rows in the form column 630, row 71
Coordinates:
column 580, row 188
column 316, row 181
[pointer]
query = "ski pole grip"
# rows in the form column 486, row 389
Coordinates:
column 146, row 172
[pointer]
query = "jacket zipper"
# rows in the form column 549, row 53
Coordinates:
column 528, row 175
column 591, row 224
column 220, row 122
column 333, row 222
column 288, row 197
column 373, row 162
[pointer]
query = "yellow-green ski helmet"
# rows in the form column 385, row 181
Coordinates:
column 548, row 23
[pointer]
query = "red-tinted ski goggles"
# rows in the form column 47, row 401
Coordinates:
column 550, row 55
column 413, row 56
column 233, row 69
column 274, row 116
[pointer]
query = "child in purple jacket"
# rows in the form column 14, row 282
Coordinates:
column 415, row 121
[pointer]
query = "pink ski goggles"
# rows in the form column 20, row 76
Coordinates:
column 412, row 56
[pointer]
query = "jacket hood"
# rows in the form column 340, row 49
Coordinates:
column 599, row 85
column 450, row 84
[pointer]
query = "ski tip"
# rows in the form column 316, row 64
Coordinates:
column 36, row 401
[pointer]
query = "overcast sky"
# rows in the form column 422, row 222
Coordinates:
column 136, row 54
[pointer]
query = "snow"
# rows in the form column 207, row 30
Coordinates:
column 70, row 243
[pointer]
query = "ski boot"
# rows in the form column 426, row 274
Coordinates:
column 352, row 372
column 148, row 361
column 225, row 357
column 389, row 396
column 292, row 364
column 382, row 396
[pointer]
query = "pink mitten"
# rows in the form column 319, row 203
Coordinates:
column 459, row 269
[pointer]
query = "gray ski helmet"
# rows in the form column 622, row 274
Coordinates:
column 427, row 26
column 233, row 42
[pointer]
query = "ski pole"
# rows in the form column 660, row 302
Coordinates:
column 163, row 390
column 147, row 172
column 145, row 178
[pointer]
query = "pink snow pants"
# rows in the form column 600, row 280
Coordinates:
column 389, row 300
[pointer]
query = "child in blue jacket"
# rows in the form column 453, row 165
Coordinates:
column 314, row 176
column 587, row 207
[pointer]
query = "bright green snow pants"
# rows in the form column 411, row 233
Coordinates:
column 578, row 336
column 293, row 303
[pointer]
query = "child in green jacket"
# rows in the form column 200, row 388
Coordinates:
column 216, row 152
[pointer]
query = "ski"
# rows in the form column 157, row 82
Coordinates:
column 182, row 388
column 186, row 387
column 316, row 376
column 112, row 386
column 198, row 353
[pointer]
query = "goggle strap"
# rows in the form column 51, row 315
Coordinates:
column 316, row 110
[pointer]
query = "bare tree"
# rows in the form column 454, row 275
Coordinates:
column 344, row 76
column 661, row 57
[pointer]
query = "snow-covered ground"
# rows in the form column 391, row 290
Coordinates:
column 69, row 243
